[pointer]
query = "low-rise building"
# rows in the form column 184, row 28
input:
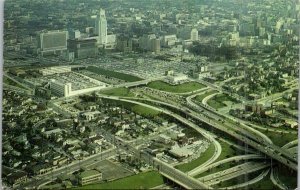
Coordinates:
column 181, row 152
column 55, row 70
column 177, row 78
column 88, row 177
column 16, row 178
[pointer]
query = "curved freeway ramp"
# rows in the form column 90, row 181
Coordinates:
column 199, row 170
column 250, row 182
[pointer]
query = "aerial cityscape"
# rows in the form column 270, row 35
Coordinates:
column 150, row 94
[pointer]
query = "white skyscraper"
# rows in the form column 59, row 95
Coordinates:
column 101, row 27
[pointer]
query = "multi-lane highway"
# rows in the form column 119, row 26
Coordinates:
column 233, row 130
column 200, row 170
column 251, row 181
column 233, row 172
column 248, row 131
column 290, row 144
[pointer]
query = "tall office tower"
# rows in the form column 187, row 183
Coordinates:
column 194, row 34
column 124, row 44
column 52, row 42
column 155, row 45
column 101, row 27
column 83, row 48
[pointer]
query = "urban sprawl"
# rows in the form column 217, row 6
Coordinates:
column 140, row 94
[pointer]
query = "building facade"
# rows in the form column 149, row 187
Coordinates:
column 83, row 48
column 124, row 44
column 55, row 70
column 150, row 43
column 60, row 89
column 88, row 177
column 101, row 28
column 52, row 42
column 194, row 35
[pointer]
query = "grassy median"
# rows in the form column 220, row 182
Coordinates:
column 218, row 100
column 119, row 92
column 202, row 96
column 180, row 88
column 200, row 160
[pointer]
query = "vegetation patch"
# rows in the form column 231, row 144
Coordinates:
column 119, row 92
column 265, row 184
column 180, row 88
column 141, row 110
column 202, row 96
column 279, row 139
column 140, row 181
column 289, row 178
column 197, row 162
column 228, row 151
column 218, row 100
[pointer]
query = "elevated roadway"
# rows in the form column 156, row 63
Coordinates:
column 233, row 172
column 200, row 170
column 252, row 181
column 275, row 152
column 165, row 169
column 242, row 123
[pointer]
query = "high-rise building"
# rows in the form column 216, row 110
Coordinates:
column 155, row 45
column 144, row 41
column 83, row 48
column 101, row 28
column 124, row 44
column 52, row 42
column 111, row 41
column 150, row 42
column 194, row 35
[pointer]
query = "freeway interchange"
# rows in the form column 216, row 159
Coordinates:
column 263, row 146
column 193, row 112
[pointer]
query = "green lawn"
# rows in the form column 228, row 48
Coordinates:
column 181, row 88
column 138, row 109
column 287, row 177
column 278, row 138
column 215, row 104
column 265, row 184
column 140, row 181
column 141, row 110
column 202, row 96
column 119, row 92
column 218, row 100
column 197, row 162
column 118, row 75
column 227, row 151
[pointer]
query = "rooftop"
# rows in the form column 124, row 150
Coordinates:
column 89, row 173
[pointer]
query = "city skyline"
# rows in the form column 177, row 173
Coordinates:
column 144, row 95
